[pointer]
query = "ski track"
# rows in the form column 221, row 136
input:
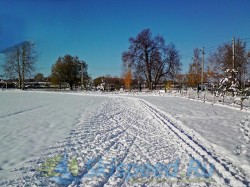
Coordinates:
column 131, row 130
column 23, row 111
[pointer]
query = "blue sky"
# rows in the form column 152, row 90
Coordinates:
column 98, row 30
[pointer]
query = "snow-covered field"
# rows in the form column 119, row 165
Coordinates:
column 50, row 139
column 31, row 122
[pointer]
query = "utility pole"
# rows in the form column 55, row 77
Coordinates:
column 202, row 71
column 81, row 64
column 233, row 73
column 233, row 49
column 82, row 74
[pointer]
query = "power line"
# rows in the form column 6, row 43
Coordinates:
column 184, row 56
column 43, row 68
column 207, row 49
column 212, row 48
column 91, row 67
column 105, row 67
column 218, row 45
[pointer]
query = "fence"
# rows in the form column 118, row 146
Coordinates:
column 237, row 102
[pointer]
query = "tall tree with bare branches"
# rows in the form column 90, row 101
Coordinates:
column 194, row 73
column 151, row 58
column 222, row 60
column 20, row 62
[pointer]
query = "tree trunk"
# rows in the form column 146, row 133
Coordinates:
column 71, row 86
column 23, row 85
column 19, row 72
column 19, row 81
column 23, row 57
column 23, row 78
column 23, row 75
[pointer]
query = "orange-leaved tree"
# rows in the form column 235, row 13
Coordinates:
column 128, row 79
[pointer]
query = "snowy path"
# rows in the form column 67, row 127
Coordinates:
column 126, row 135
column 219, row 125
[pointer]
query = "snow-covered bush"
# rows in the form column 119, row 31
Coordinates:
column 230, row 85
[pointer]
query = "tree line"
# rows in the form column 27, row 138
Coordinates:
column 149, row 60
column 20, row 65
column 218, row 61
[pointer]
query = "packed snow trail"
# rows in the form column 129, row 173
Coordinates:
column 219, row 125
column 129, row 142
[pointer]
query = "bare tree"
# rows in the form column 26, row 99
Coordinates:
column 222, row 59
column 195, row 69
column 197, row 58
column 149, row 57
column 214, row 69
column 20, row 62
